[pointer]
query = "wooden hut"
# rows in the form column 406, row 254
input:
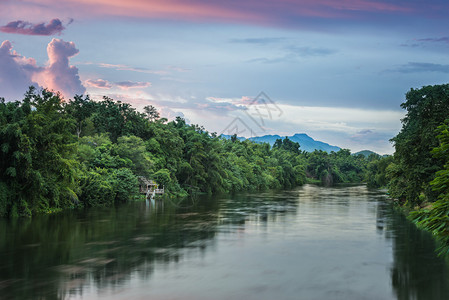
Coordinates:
column 149, row 187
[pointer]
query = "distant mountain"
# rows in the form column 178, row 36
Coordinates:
column 365, row 153
column 306, row 142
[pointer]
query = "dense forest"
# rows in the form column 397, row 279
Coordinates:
column 57, row 154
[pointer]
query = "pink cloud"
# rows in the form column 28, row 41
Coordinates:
column 267, row 12
column 15, row 73
column 120, row 67
column 98, row 83
column 164, row 107
column 21, row 27
column 125, row 85
column 59, row 75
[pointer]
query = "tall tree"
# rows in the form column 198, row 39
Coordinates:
column 414, row 166
column 151, row 113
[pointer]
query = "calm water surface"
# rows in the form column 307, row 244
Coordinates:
column 307, row 243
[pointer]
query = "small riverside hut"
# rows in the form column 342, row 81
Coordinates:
column 149, row 187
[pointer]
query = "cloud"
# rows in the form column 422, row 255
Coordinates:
column 170, row 114
column 16, row 72
column 259, row 41
column 364, row 132
column 236, row 101
column 59, row 75
column 419, row 67
column 269, row 12
column 291, row 52
column 340, row 119
column 98, row 83
column 178, row 69
column 294, row 53
column 210, row 106
column 371, row 139
column 444, row 39
column 245, row 102
column 422, row 42
column 121, row 67
column 310, row 51
column 21, row 27
column 218, row 107
column 125, row 85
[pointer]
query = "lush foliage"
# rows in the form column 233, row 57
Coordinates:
column 435, row 218
column 336, row 167
column 81, row 153
column 376, row 173
column 414, row 166
column 37, row 155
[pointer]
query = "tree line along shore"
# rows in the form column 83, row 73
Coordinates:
column 57, row 155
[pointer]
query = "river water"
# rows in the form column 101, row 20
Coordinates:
column 308, row 243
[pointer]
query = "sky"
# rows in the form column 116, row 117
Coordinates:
column 336, row 70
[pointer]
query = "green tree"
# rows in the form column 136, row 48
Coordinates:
column 436, row 217
column 133, row 148
column 151, row 113
column 376, row 174
column 414, row 166
column 38, row 154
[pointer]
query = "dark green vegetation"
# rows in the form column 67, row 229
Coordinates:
column 414, row 165
column 435, row 217
column 418, row 172
column 82, row 153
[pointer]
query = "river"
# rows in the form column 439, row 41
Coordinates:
column 308, row 243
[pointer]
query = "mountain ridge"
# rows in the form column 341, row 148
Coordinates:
column 306, row 142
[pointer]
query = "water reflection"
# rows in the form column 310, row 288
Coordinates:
column 51, row 256
column 417, row 273
column 319, row 243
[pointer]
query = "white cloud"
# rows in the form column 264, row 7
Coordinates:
column 17, row 72
column 341, row 119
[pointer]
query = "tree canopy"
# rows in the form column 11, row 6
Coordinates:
column 56, row 155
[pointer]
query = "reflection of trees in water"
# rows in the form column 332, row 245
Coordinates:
column 270, row 206
column 383, row 214
column 51, row 257
column 417, row 272
column 54, row 256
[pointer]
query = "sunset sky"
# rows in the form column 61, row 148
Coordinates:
column 336, row 70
